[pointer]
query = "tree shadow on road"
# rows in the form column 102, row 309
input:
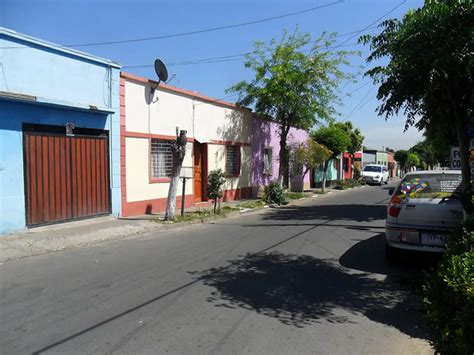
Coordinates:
column 300, row 289
column 352, row 212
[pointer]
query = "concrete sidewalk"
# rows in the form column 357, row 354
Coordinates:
column 56, row 237
column 46, row 239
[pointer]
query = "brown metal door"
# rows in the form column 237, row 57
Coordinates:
column 197, row 172
column 65, row 177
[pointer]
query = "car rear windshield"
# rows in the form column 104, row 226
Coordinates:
column 375, row 169
column 430, row 186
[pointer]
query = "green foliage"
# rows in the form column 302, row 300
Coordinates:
column 449, row 295
column 427, row 154
column 274, row 194
column 412, row 160
column 429, row 75
column 252, row 204
column 349, row 183
column 401, row 157
column 293, row 85
column 333, row 137
column 355, row 137
column 215, row 180
column 193, row 216
column 295, row 195
column 307, row 155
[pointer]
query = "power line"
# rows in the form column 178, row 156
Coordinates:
column 361, row 104
column 374, row 22
column 205, row 30
column 235, row 55
column 360, row 87
column 229, row 58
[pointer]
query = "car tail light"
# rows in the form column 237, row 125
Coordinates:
column 395, row 206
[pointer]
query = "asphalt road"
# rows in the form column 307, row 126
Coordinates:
column 297, row 280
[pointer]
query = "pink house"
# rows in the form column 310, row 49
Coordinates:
column 266, row 150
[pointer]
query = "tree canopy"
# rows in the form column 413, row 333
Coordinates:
column 413, row 160
column 333, row 137
column 307, row 156
column 356, row 138
column 295, row 82
column 429, row 75
column 401, row 157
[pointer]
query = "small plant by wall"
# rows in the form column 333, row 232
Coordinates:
column 215, row 181
column 275, row 194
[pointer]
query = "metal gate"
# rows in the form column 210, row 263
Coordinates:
column 65, row 177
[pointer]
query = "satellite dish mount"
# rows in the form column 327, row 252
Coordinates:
column 161, row 72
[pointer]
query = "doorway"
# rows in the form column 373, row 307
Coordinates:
column 200, row 172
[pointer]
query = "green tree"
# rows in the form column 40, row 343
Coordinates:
column 412, row 161
column 356, row 138
column 306, row 156
column 401, row 157
column 215, row 180
column 429, row 75
column 335, row 139
column 295, row 88
column 426, row 153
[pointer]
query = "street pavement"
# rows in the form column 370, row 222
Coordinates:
column 306, row 279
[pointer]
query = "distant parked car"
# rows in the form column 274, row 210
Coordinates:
column 424, row 207
column 375, row 174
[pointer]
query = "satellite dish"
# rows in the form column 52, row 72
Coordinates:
column 161, row 70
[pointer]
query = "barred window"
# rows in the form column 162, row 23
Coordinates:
column 267, row 161
column 233, row 160
column 161, row 159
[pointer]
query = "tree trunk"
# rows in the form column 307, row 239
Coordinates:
column 326, row 164
column 284, row 171
column 179, row 151
column 464, row 154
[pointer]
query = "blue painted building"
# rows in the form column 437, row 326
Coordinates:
column 59, row 133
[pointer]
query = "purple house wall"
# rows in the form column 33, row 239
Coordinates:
column 265, row 135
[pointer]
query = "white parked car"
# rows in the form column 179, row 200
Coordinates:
column 423, row 209
column 375, row 174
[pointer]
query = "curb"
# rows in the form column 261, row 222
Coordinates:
column 120, row 233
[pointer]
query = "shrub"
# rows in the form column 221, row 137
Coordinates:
column 345, row 184
column 274, row 194
column 215, row 180
column 449, row 295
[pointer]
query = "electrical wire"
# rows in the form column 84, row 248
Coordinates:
column 361, row 104
column 239, row 56
column 374, row 22
column 227, row 58
column 205, row 30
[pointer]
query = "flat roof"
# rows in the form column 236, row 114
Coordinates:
column 57, row 47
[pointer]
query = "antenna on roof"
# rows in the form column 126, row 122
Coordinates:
column 161, row 72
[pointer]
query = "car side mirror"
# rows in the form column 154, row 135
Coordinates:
column 391, row 191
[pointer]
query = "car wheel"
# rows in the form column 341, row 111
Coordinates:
column 386, row 181
column 391, row 254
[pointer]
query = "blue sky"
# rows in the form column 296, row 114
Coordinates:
column 75, row 22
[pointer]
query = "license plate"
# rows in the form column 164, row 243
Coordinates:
column 433, row 239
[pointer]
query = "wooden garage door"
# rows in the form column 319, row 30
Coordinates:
column 65, row 177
